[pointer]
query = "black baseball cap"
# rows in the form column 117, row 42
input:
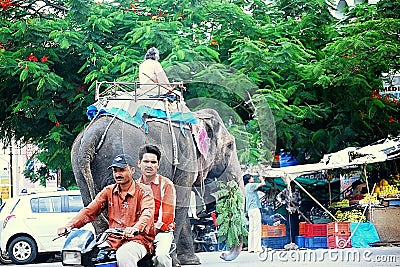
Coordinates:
column 121, row 161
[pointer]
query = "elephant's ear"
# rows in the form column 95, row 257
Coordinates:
column 205, row 118
column 202, row 137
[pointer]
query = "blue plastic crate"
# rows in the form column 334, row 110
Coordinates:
column 300, row 241
column 316, row 242
column 107, row 264
column 274, row 242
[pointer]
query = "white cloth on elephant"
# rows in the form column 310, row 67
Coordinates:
column 130, row 253
column 162, row 243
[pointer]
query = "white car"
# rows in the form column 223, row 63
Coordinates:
column 29, row 223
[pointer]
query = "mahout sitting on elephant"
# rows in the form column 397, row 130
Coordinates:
column 190, row 154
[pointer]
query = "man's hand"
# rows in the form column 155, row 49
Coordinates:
column 130, row 231
column 63, row 230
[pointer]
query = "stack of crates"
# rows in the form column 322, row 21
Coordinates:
column 274, row 236
column 312, row 236
column 339, row 235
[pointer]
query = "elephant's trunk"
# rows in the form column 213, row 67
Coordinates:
column 233, row 252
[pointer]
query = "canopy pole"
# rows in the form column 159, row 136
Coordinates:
column 330, row 193
column 313, row 198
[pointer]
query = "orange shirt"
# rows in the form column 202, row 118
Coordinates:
column 165, row 200
column 135, row 208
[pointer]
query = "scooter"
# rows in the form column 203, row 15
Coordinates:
column 81, row 248
column 204, row 233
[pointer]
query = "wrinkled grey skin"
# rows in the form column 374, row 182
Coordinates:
column 95, row 147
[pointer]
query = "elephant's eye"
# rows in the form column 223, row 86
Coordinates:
column 230, row 145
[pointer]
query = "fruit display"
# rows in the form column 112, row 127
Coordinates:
column 345, row 203
column 395, row 180
column 350, row 216
column 385, row 190
column 369, row 199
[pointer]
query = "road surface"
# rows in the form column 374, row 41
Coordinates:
column 374, row 257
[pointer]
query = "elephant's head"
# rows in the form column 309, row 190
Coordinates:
column 220, row 161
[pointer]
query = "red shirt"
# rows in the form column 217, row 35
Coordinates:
column 134, row 208
column 165, row 201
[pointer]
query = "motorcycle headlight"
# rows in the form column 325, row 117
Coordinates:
column 71, row 257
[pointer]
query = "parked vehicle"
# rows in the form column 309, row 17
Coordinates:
column 81, row 249
column 204, row 233
column 28, row 224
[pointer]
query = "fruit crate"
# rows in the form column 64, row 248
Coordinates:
column 338, row 241
column 316, row 242
column 273, row 231
column 302, row 226
column 300, row 241
column 338, row 228
column 274, row 242
column 314, row 229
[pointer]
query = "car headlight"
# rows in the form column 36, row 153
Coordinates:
column 71, row 257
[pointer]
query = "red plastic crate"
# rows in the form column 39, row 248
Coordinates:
column 338, row 241
column 302, row 229
column 315, row 229
column 338, row 228
column 273, row 231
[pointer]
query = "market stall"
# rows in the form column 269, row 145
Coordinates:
column 378, row 203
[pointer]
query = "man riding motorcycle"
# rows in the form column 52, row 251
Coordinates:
column 130, row 206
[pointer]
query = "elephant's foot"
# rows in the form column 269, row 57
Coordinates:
column 175, row 261
column 189, row 259
column 232, row 254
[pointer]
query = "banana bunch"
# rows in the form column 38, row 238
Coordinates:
column 373, row 199
column 350, row 216
column 389, row 190
column 340, row 204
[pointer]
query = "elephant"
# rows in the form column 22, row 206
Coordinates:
column 182, row 161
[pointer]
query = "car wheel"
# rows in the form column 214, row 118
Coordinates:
column 22, row 250
column 4, row 259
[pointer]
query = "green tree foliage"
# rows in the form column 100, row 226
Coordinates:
column 319, row 77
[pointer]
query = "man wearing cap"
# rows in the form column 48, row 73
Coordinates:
column 164, row 198
column 130, row 206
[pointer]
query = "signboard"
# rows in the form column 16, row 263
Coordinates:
column 4, row 185
column 391, row 86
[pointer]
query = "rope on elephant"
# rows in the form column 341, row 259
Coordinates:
column 174, row 142
column 103, row 136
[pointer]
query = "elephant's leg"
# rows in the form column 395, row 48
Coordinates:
column 184, row 239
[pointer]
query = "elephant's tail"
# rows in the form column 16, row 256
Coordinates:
column 87, row 154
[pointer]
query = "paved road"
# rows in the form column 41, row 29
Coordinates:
column 374, row 257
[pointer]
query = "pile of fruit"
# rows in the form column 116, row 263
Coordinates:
column 340, row 204
column 385, row 190
column 369, row 199
column 350, row 216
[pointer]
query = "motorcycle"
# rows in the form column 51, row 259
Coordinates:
column 81, row 248
column 204, row 233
